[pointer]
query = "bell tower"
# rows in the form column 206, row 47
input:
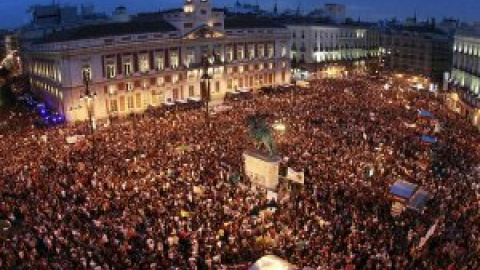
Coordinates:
column 200, row 10
column 198, row 7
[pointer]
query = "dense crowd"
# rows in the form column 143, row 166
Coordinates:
column 158, row 193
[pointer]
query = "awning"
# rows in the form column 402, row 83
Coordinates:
column 243, row 90
column 195, row 99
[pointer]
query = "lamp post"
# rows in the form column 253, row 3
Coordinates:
column 205, row 80
column 137, row 143
column 88, row 97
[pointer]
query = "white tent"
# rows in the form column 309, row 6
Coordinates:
column 272, row 262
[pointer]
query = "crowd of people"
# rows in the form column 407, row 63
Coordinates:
column 160, row 193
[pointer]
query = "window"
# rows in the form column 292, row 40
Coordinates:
column 112, row 89
column 159, row 62
column 261, row 50
column 175, row 78
column 111, row 73
column 127, row 67
column 175, row 94
column 86, row 73
column 187, row 25
column 190, row 57
column 217, row 24
column 251, row 51
column 191, row 91
column 270, row 50
column 130, row 102
column 203, row 12
column 229, row 54
column 174, row 59
column 129, row 86
column 113, row 105
column 217, row 87
column 144, row 64
column 138, row 100
column 240, row 53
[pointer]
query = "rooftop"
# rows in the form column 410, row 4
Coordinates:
column 109, row 29
column 250, row 22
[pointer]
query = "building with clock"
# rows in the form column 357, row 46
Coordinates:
column 136, row 62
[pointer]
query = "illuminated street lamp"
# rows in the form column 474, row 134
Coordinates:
column 279, row 127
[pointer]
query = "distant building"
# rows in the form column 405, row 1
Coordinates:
column 48, row 19
column 417, row 50
column 155, row 59
column 329, row 47
column 336, row 12
column 465, row 75
column 245, row 8
column 11, row 42
column 3, row 33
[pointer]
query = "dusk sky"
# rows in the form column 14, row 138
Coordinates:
column 14, row 11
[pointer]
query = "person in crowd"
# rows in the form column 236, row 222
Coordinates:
column 161, row 195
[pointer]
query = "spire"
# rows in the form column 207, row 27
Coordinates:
column 298, row 8
column 415, row 16
column 275, row 8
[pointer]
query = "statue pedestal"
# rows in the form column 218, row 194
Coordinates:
column 262, row 169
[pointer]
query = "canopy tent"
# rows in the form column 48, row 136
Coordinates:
column 272, row 262
column 403, row 190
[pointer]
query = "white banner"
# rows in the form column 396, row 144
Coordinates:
column 427, row 236
column 294, row 176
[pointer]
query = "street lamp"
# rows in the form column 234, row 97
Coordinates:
column 88, row 97
column 205, row 80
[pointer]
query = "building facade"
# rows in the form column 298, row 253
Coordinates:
column 417, row 50
column 145, row 63
column 465, row 76
column 330, row 46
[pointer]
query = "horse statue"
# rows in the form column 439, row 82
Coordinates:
column 260, row 132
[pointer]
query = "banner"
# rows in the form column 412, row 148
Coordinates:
column 427, row 236
column 294, row 176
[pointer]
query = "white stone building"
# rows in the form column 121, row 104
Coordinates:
column 333, row 43
column 465, row 76
column 147, row 62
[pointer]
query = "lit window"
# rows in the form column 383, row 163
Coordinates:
column 144, row 64
column 86, row 73
column 111, row 72
column 127, row 67
column 129, row 86
column 130, row 102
